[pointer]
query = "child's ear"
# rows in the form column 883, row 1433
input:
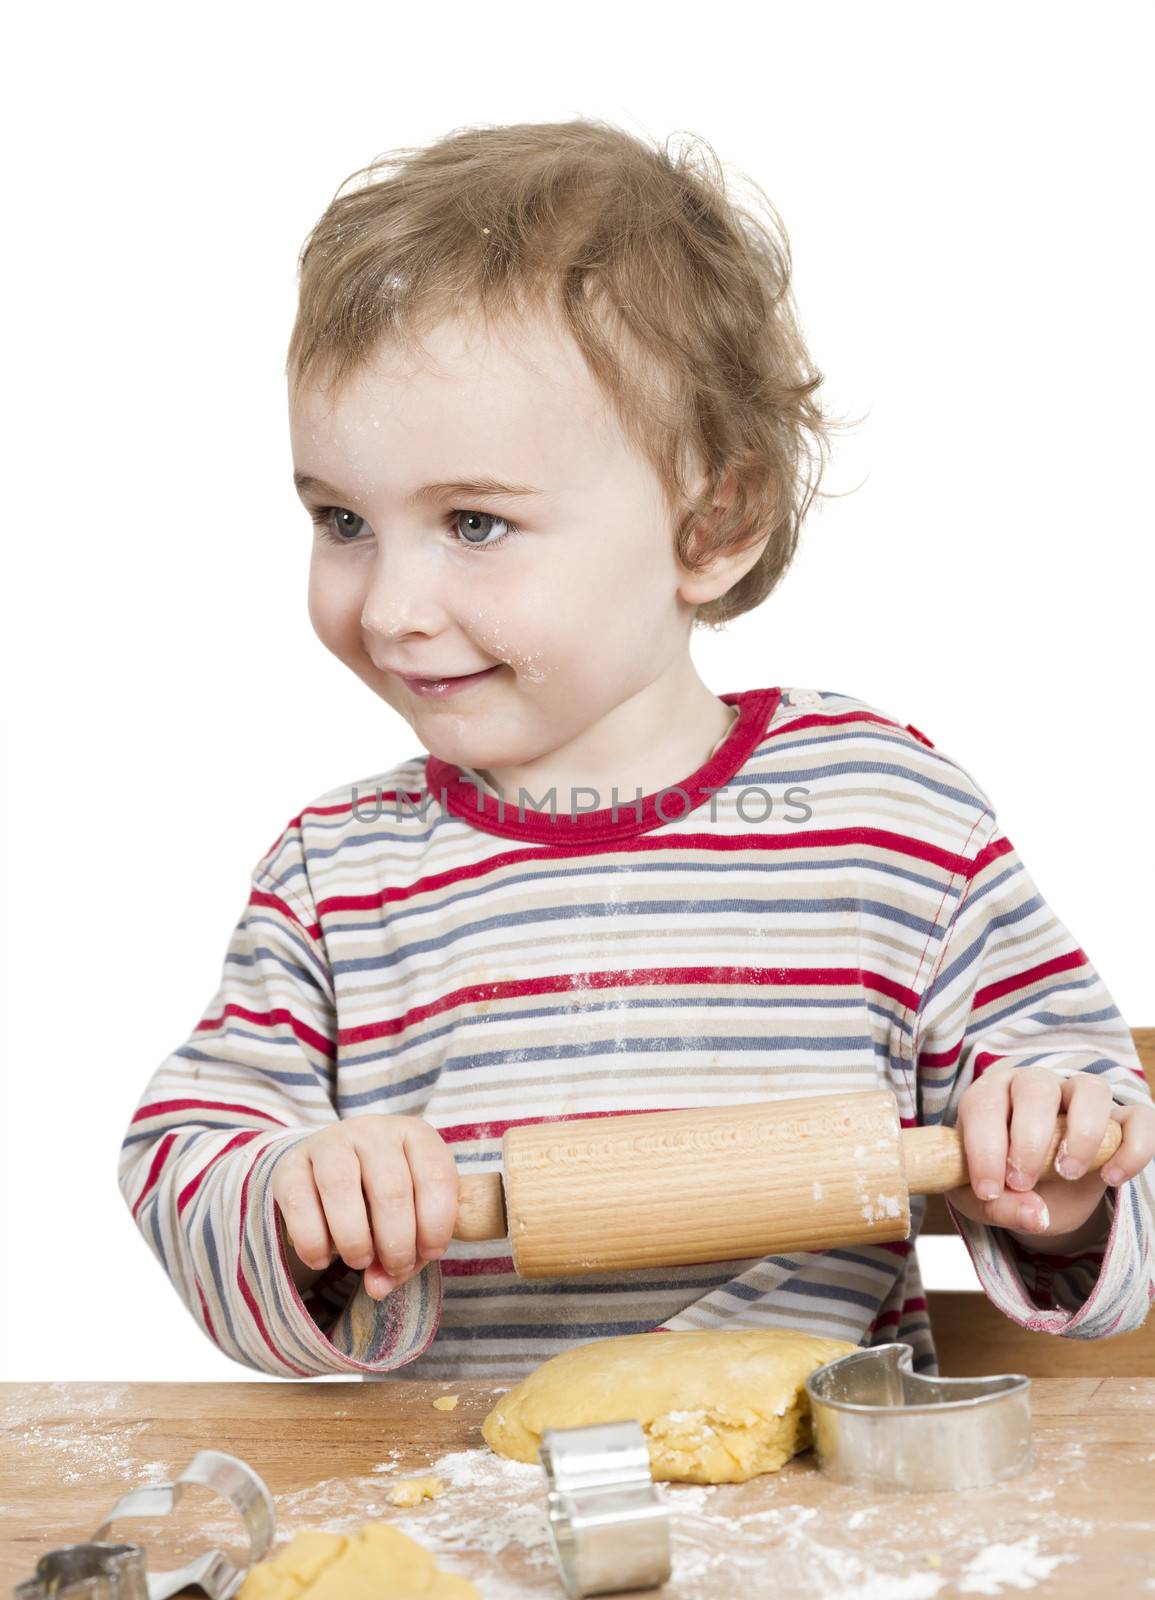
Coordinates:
column 724, row 553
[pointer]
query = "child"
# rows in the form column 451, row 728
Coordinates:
column 550, row 408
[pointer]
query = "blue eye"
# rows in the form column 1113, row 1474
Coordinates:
column 323, row 518
column 488, row 544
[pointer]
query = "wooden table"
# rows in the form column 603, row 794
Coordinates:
column 1081, row 1522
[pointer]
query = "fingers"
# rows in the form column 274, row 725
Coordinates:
column 1036, row 1096
column 380, row 1191
column 1087, row 1104
column 337, row 1171
column 982, row 1126
column 1137, row 1146
column 388, row 1186
column 411, row 1191
column 1007, row 1124
column 296, row 1193
column 1006, row 1121
column 434, row 1173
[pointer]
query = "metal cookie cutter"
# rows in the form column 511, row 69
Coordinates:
column 608, row 1526
column 879, row 1424
column 98, row 1570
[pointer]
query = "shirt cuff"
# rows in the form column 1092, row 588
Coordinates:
column 1106, row 1288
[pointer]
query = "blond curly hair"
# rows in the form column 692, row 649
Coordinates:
column 678, row 297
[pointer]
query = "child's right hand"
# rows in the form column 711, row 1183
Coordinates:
column 379, row 1191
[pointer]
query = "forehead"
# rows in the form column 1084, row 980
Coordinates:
column 509, row 400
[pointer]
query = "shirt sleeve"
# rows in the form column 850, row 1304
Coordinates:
column 256, row 1076
column 1012, row 985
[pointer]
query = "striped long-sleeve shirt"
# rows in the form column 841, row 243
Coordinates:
column 826, row 905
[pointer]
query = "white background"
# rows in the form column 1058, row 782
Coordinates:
column 966, row 192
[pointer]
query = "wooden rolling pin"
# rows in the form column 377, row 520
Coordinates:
column 723, row 1183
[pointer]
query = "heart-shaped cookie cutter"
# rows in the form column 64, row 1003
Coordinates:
column 879, row 1424
column 109, row 1571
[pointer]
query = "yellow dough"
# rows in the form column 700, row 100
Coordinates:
column 378, row 1561
column 411, row 1491
column 715, row 1407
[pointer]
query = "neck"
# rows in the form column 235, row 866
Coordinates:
column 646, row 744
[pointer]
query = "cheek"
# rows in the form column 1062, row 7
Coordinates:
column 335, row 604
column 571, row 626
column 556, row 609
column 602, row 610
column 614, row 575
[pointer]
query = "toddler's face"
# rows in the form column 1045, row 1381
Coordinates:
column 582, row 607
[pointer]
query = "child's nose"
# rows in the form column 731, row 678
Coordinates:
column 403, row 599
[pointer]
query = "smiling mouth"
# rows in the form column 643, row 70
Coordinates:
column 447, row 678
column 440, row 686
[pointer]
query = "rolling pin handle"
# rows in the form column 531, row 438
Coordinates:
column 480, row 1207
column 936, row 1160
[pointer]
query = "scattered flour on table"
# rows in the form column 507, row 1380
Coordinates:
column 90, row 1399
column 839, row 1574
column 1018, row 1565
column 93, row 1446
column 491, row 1526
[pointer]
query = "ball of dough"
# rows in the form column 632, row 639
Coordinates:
column 715, row 1407
column 379, row 1560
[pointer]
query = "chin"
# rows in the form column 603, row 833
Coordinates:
column 456, row 745
column 460, row 751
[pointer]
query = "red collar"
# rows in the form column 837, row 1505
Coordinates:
column 464, row 797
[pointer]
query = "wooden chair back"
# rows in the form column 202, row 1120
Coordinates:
column 973, row 1337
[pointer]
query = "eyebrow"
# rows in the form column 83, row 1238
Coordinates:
column 464, row 488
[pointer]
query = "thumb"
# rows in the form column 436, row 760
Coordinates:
column 1021, row 1211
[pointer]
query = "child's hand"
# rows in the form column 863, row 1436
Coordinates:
column 1016, row 1107
column 380, row 1191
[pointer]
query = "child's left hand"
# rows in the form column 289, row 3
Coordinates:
column 1006, row 1120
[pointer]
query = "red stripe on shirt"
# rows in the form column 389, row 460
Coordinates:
column 494, row 1130
column 900, row 844
column 268, row 1019
column 567, row 983
column 164, row 1108
column 158, row 1161
column 1022, row 980
column 243, row 1284
column 194, row 1182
